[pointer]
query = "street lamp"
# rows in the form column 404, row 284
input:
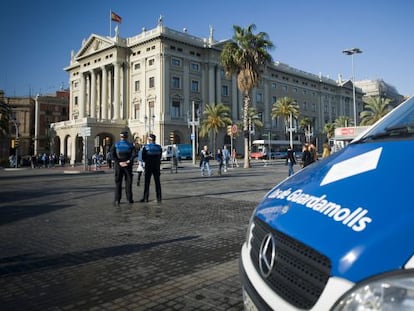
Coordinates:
column 290, row 129
column 16, row 126
column 352, row 52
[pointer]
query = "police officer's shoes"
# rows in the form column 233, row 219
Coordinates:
column 116, row 203
column 143, row 200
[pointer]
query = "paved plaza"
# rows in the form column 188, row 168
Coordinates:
column 64, row 246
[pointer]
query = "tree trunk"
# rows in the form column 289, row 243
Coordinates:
column 246, row 129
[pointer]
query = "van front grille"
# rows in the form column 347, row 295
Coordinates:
column 299, row 274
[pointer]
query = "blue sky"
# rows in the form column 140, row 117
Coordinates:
column 38, row 36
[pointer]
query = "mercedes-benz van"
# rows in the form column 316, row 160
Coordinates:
column 339, row 234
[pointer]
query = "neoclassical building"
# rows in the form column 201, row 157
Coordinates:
column 154, row 81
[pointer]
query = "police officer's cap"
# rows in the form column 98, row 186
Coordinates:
column 124, row 134
column 152, row 137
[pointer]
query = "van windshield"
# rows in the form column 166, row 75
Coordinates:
column 398, row 124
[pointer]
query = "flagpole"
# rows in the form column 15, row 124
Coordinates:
column 110, row 23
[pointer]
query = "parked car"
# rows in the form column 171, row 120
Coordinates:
column 337, row 235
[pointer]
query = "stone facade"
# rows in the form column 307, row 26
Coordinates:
column 149, row 83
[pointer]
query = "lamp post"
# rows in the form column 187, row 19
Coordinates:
column 16, row 126
column 291, row 129
column 194, row 123
column 352, row 52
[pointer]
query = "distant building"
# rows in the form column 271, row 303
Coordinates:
column 379, row 88
column 33, row 117
column 149, row 83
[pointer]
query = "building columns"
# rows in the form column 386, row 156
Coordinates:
column 92, row 111
column 116, row 115
column 104, row 96
column 82, row 96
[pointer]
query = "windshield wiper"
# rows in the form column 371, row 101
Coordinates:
column 397, row 131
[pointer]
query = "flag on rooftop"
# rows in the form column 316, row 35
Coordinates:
column 116, row 18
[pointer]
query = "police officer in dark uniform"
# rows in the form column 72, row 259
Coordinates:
column 151, row 155
column 123, row 154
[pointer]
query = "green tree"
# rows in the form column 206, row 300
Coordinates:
column 245, row 56
column 374, row 109
column 216, row 116
column 343, row 121
column 329, row 130
column 306, row 123
column 285, row 107
column 254, row 117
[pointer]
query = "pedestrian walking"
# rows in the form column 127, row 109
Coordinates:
column 108, row 159
column 141, row 165
column 123, row 154
column 307, row 156
column 151, row 155
column 226, row 158
column 290, row 160
column 234, row 158
column 326, row 150
column 220, row 160
column 205, row 157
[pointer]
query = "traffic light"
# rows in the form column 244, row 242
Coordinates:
column 229, row 131
column 172, row 137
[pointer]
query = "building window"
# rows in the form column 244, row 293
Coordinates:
column 259, row 97
column 313, row 107
column 151, row 82
column 260, row 115
column 137, row 86
column 175, row 109
column 175, row 82
column 137, row 66
column 76, row 100
column 195, row 67
column 274, row 99
column 151, row 62
column 136, row 111
column 176, row 62
column 305, row 105
column 224, row 90
column 274, row 85
column 195, row 86
column 284, row 88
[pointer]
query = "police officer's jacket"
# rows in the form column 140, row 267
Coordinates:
column 123, row 151
column 151, row 154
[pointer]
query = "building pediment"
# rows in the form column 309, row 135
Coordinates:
column 93, row 45
column 347, row 84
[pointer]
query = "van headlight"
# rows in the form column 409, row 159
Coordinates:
column 390, row 291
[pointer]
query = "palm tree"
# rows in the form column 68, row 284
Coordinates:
column 245, row 56
column 285, row 107
column 306, row 123
column 254, row 118
column 216, row 117
column 374, row 109
column 329, row 130
column 343, row 121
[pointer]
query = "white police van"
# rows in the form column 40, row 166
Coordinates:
column 339, row 234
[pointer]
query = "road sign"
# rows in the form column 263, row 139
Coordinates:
column 234, row 129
